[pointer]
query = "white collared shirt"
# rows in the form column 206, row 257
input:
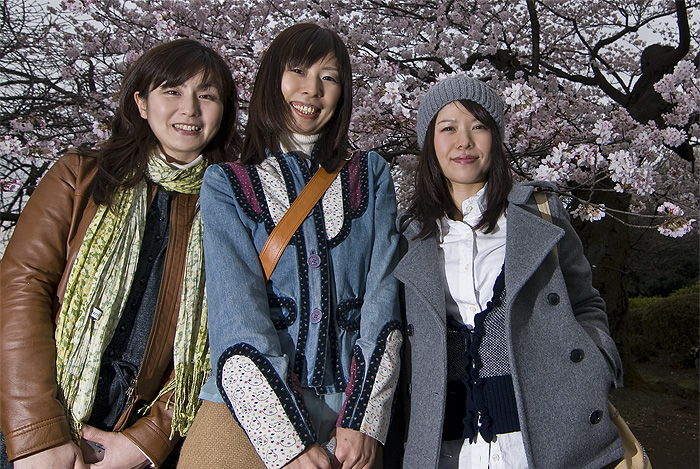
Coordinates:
column 464, row 249
column 472, row 262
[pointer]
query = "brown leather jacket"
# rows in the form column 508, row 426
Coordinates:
column 33, row 275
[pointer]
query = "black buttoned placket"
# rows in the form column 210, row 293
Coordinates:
column 124, row 354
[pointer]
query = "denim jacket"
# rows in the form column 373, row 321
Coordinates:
column 328, row 318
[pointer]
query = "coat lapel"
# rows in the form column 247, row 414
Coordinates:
column 419, row 270
column 526, row 249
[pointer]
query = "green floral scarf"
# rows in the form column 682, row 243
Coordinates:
column 97, row 289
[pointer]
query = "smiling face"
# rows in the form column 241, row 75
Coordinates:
column 184, row 118
column 463, row 149
column 312, row 94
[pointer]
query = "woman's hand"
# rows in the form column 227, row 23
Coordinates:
column 313, row 457
column 120, row 452
column 354, row 450
column 65, row 456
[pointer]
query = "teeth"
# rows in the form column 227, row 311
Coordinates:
column 308, row 110
column 189, row 128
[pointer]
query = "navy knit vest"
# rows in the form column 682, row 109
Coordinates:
column 480, row 398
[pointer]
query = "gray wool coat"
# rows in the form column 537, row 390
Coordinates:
column 562, row 358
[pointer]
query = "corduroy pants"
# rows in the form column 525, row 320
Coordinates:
column 216, row 441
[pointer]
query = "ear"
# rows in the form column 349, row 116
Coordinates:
column 141, row 103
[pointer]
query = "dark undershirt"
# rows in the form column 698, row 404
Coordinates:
column 124, row 354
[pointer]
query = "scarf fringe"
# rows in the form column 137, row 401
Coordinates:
column 184, row 386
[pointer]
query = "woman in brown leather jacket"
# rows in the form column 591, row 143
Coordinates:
column 103, row 339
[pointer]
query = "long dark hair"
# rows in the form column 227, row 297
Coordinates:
column 269, row 118
column 122, row 159
column 432, row 198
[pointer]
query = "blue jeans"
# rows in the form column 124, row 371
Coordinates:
column 4, row 463
column 324, row 410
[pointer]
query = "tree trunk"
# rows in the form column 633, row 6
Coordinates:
column 606, row 244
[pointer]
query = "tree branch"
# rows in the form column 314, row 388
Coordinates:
column 535, row 25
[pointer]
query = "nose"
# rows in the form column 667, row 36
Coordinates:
column 189, row 104
column 464, row 140
column 312, row 85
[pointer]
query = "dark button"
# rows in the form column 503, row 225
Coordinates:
column 162, row 219
column 596, row 417
column 576, row 355
column 150, row 258
column 158, row 237
column 409, row 330
column 314, row 261
column 111, row 353
column 553, row 299
column 122, row 328
column 316, row 316
column 142, row 280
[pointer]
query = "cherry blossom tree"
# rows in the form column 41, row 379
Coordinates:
column 602, row 97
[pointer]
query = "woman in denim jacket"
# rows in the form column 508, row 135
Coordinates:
column 312, row 354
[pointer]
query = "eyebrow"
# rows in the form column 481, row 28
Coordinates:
column 207, row 86
column 441, row 121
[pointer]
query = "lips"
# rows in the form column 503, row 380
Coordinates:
column 306, row 109
column 187, row 127
column 465, row 159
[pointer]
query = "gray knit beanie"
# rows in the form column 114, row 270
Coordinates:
column 455, row 88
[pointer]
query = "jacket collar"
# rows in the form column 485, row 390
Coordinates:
column 529, row 238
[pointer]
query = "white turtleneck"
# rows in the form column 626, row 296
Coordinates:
column 300, row 143
column 175, row 165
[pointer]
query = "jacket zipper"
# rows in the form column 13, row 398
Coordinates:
column 131, row 399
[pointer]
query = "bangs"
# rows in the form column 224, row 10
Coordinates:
column 177, row 72
column 312, row 45
column 481, row 114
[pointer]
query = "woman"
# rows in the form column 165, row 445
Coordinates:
column 508, row 361
column 313, row 352
column 103, row 309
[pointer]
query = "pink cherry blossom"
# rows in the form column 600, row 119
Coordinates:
column 568, row 118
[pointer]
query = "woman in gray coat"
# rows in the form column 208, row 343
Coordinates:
column 508, row 359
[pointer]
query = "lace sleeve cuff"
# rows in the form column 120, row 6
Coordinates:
column 263, row 405
column 370, row 393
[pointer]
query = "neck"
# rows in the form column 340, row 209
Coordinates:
column 461, row 192
column 178, row 164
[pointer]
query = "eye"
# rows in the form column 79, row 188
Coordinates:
column 447, row 128
column 296, row 70
column 170, row 91
column 479, row 126
column 330, row 78
column 209, row 96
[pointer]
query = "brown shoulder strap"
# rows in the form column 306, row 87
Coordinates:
column 545, row 212
column 283, row 232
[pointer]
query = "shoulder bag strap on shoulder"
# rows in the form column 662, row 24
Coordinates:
column 287, row 226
